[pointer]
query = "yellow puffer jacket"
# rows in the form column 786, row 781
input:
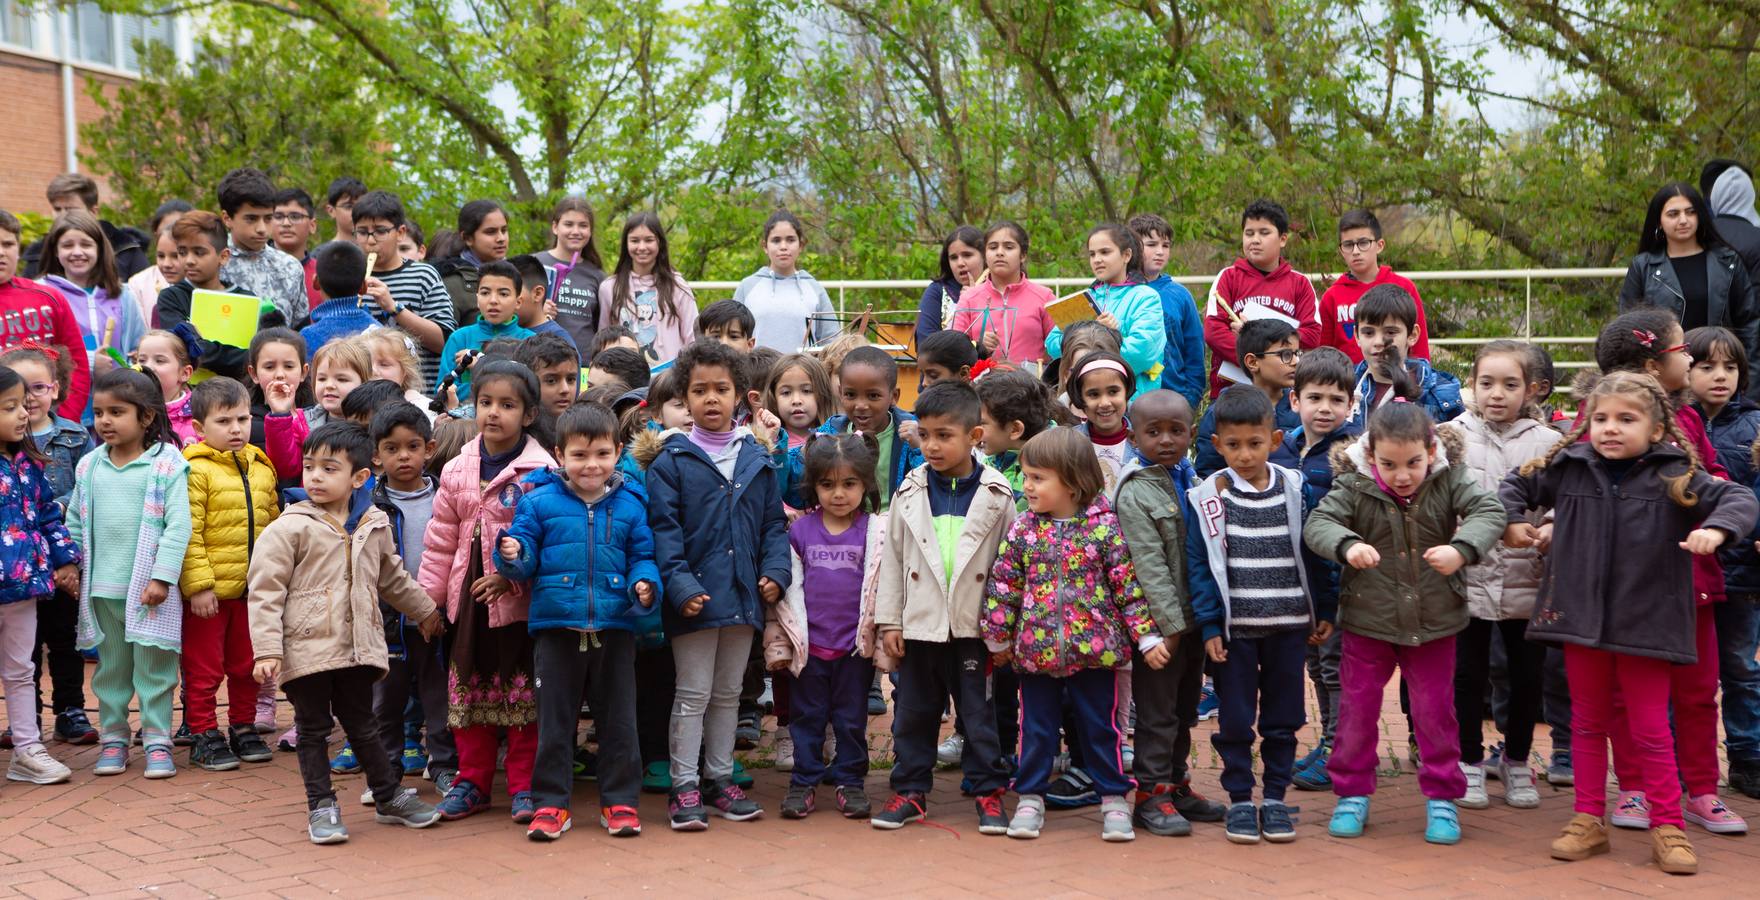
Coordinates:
column 226, row 520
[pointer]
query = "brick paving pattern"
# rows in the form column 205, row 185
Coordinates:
column 242, row 834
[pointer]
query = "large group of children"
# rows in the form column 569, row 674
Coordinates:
column 400, row 507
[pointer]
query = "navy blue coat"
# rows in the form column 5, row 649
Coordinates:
column 583, row 559
column 1732, row 433
column 716, row 536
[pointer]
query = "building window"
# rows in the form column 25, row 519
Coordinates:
column 137, row 30
column 16, row 24
column 94, row 35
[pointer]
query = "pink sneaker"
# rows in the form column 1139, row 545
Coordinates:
column 1631, row 812
column 1709, row 813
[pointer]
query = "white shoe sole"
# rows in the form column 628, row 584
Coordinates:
column 338, row 838
column 1242, row 838
column 1716, row 827
column 50, row 778
column 1023, row 833
column 1636, row 823
column 1118, row 837
column 1471, row 802
column 1523, row 802
column 407, row 823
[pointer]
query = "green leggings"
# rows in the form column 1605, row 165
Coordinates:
column 125, row 670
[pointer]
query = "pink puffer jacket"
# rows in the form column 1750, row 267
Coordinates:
column 466, row 509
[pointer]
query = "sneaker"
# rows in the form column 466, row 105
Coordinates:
column 1519, row 790
column 549, row 824
column 852, row 801
column 345, row 762
column 784, row 751
column 1442, row 822
column 685, row 808
column 799, row 803
column 1156, row 813
column 182, row 737
column 415, row 758
column 159, row 762
column 991, row 817
column 1313, row 776
column 523, row 807
column 248, row 745
column 1560, row 773
column 1475, row 797
column 265, row 715
column 1243, row 823
column 657, row 778
column 72, row 727
column 1744, row 777
column 1029, row 817
column 1208, row 705
column 876, row 700
column 618, row 821
column 1115, row 820
column 112, row 760
column 1276, row 823
column 767, row 699
column 405, row 809
column 1583, row 836
column 324, row 824
column 1349, row 817
column 212, row 752
column 948, row 754
column 288, row 742
column 740, row 777
column 747, row 735
column 1631, row 811
column 586, row 765
column 443, row 782
column 1705, row 811
column 1074, row 789
column 730, row 802
column 34, row 765
column 464, row 799
column 1493, row 758
column 1672, row 851
column 900, row 811
column 1194, row 806
column 1128, row 757
column 367, row 798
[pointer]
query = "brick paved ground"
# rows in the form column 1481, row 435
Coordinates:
column 242, row 834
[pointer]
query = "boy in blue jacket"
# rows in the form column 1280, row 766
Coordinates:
column 868, row 381
column 581, row 536
column 1182, row 362
column 342, row 271
column 1387, row 323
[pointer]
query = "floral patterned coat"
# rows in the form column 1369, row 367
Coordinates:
column 33, row 540
column 1063, row 595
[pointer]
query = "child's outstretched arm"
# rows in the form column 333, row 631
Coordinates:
column 1733, row 510
column 525, row 537
column 1482, row 520
column 1521, row 494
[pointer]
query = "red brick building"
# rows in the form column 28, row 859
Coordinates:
column 47, row 56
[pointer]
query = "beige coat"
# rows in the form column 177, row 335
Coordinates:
column 915, row 594
column 315, row 591
column 1506, row 582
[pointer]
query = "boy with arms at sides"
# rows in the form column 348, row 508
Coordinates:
column 1386, row 321
column 1361, row 245
column 1260, row 285
column 405, row 293
column 945, row 526
column 247, row 207
column 535, row 307
column 1182, row 362
column 1251, row 597
column 1269, row 354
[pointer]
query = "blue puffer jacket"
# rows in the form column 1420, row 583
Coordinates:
column 714, row 535
column 1439, row 391
column 1732, row 433
column 583, row 559
column 66, row 443
column 33, row 540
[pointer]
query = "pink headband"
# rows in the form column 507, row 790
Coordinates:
column 1100, row 365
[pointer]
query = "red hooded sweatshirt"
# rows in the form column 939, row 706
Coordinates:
column 30, row 310
column 1284, row 291
column 1338, row 313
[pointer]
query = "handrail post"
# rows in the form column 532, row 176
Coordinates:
column 1528, row 316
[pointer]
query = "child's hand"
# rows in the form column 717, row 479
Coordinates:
column 1543, row 537
column 1361, row 556
column 491, row 588
column 645, row 593
column 693, row 606
column 909, row 433
column 155, row 593
column 1322, row 633
column 380, row 292
column 452, row 396
column 1213, row 648
column 433, row 625
column 990, row 339
column 509, row 549
column 204, row 604
column 1520, row 535
column 1703, row 541
column 549, row 308
column 1109, row 320
column 1445, row 559
column 265, row 670
column 67, row 579
column 792, row 514
column 279, row 395
column 776, row 665
column 769, row 590
column 768, row 424
column 893, row 643
column 1158, row 655
column 999, row 658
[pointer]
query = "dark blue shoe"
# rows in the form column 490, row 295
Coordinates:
column 345, row 762
column 1207, row 703
column 465, row 799
column 415, row 759
column 1276, row 822
column 1313, row 776
column 1075, row 789
column 524, row 807
column 1243, row 823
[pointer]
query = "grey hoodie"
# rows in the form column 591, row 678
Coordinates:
column 1733, row 195
column 782, row 305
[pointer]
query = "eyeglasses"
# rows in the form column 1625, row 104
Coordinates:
column 1360, row 245
column 40, row 389
column 361, row 234
column 289, row 218
column 1287, row 357
column 1678, row 348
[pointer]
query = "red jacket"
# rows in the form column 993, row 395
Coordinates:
column 1338, row 313
column 29, row 310
column 1284, row 290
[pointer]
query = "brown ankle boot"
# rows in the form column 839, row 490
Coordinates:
column 1673, row 852
column 1583, row 836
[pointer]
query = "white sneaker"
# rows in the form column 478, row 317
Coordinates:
column 784, row 750
column 1519, row 790
column 1128, row 755
column 1029, row 817
column 947, row 755
column 1476, row 797
column 367, row 797
column 34, row 764
column 1115, row 820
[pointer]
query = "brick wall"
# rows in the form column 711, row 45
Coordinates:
column 31, row 141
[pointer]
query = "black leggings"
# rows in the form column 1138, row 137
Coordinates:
column 1472, row 669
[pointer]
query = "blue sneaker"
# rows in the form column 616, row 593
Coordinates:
column 465, row 799
column 1075, row 789
column 159, row 762
column 1207, row 702
column 415, row 759
column 524, row 807
column 1349, row 817
column 740, row 778
column 1442, row 822
column 1277, row 822
column 1243, row 823
column 1313, row 776
column 345, row 762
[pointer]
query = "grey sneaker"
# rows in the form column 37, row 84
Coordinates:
column 159, row 762
column 1029, row 817
column 112, row 759
column 324, row 824
column 1475, row 797
column 1519, row 790
column 948, row 754
column 33, row 764
column 1560, row 773
column 1115, row 820
column 443, row 782
column 406, row 810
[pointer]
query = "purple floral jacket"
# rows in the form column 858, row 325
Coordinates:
column 1063, row 595
column 33, row 540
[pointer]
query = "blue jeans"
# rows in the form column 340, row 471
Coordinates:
column 1738, row 633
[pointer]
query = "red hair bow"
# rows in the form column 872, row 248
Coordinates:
column 979, row 368
column 1644, row 336
column 34, row 344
